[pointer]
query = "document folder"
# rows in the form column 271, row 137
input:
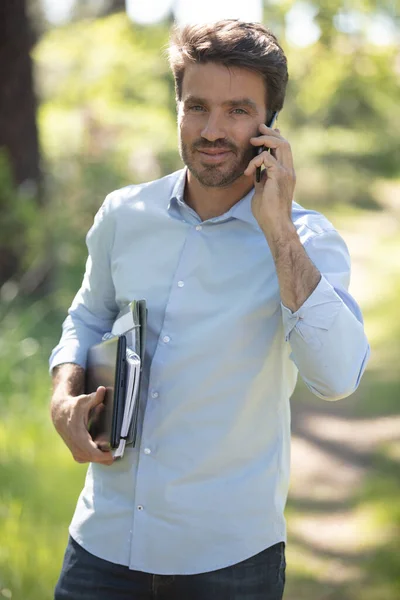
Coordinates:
column 117, row 363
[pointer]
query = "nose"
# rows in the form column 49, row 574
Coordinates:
column 213, row 129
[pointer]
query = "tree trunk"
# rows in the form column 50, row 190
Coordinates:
column 18, row 133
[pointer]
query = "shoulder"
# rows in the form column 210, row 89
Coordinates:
column 137, row 196
column 130, row 202
column 323, row 243
column 310, row 223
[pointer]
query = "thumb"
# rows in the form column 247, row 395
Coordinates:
column 93, row 400
column 97, row 397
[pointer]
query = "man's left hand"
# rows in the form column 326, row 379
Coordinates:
column 272, row 201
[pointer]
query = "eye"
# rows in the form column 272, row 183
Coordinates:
column 196, row 108
column 239, row 111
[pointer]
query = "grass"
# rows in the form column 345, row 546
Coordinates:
column 39, row 479
column 370, row 573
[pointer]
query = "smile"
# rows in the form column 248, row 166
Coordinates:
column 213, row 155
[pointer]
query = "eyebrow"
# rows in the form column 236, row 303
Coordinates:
column 234, row 103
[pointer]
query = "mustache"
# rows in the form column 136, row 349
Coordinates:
column 218, row 144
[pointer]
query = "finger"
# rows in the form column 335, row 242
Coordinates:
column 84, row 446
column 264, row 159
column 266, row 140
column 106, row 459
column 283, row 151
column 99, row 452
column 260, row 161
column 269, row 130
column 97, row 455
column 88, row 451
column 274, row 144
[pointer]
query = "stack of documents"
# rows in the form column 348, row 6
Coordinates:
column 116, row 363
column 131, row 399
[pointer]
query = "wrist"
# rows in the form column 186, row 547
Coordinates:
column 60, row 406
column 68, row 380
column 279, row 230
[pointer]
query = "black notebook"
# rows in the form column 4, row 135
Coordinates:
column 106, row 366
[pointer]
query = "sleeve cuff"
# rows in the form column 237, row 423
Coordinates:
column 319, row 311
column 73, row 353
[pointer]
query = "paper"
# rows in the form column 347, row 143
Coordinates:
column 125, row 324
column 131, row 397
column 132, row 323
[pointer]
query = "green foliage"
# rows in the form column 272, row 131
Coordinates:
column 107, row 95
column 22, row 234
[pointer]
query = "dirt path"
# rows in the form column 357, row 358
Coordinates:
column 332, row 453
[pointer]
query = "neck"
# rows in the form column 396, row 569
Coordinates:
column 209, row 202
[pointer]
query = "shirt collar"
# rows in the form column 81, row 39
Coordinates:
column 179, row 187
column 241, row 210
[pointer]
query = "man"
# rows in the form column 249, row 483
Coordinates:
column 244, row 289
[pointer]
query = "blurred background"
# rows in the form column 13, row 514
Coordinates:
column 87, row 106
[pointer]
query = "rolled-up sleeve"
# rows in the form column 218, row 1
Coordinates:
column 94, row 308
column 326, row 334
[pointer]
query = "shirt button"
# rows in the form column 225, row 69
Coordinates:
column 147, row 451
column 154, row 394
column 198, row 228
column 166, row 339
column 180, row 284
column 140, row 507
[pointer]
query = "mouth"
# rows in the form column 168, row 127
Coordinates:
column 214, row 155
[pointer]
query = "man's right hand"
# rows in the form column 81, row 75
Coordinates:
column 70, row 416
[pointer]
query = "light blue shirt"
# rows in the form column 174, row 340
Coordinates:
column 206, row 485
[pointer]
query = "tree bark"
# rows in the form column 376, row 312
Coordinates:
column 18, row 132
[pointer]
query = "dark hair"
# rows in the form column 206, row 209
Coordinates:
column 232, row 43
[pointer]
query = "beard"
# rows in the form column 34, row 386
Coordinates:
column 218, row 175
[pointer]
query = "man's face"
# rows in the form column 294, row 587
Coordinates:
column 219, row 112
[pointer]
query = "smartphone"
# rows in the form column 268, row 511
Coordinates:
column 270, row 123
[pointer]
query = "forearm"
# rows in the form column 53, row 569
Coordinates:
column 68, row 381
column 297, row 275
column 68, row 378
column 323, row 326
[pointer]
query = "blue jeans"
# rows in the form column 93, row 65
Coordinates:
column 86, row 577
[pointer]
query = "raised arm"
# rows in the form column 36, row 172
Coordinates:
column 323, row 323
